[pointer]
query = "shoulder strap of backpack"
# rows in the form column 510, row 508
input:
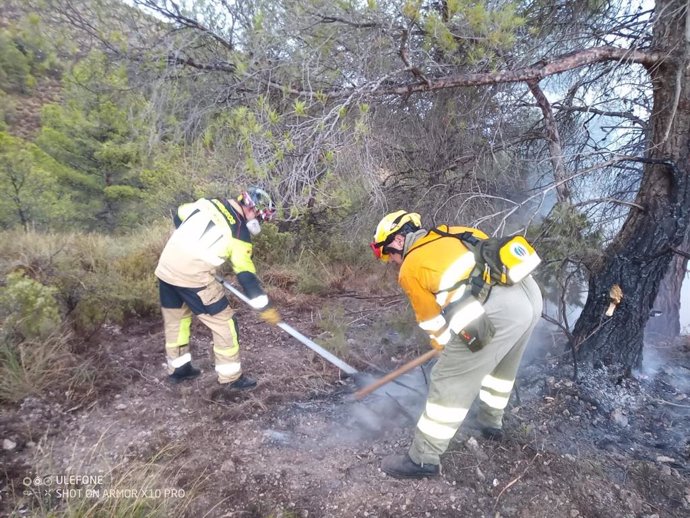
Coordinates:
column 466, row 237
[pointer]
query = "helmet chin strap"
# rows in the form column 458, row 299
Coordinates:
column 391, row 250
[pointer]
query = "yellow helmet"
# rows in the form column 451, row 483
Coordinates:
column 388, row 227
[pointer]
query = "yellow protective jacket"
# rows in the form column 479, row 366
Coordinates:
column 209, row 232
column 432, row 275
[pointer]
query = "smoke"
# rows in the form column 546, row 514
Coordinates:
column 392, row 407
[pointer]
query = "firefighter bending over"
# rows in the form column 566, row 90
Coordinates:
column 481, row 326
column 208, row 232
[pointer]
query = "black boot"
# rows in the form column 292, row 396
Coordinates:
column 492, row 434
column 185, row 372
column 244, row 382
column 231, row 391
column 402, row 466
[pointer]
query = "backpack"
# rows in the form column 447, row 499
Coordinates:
column 500, row 260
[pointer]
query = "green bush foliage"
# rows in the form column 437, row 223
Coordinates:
column 93, row 278
column 31, row 193
column 15, row 71
column 321, row 254
column 27, row 307
column 566, row 242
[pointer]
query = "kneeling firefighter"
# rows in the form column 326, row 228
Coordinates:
column 208, row 232
column 480, row 314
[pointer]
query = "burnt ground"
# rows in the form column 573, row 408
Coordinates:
column 299, row 445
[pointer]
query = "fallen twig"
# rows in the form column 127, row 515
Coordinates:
column 514, row 481
column 670, row 403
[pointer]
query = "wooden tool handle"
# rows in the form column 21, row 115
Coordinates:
column 397, row 372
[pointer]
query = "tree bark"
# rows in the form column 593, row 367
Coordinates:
column 640, row 254
column 668, row 299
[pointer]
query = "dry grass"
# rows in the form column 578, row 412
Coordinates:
column 97, row 278
column 155, row 487
column 37, row 366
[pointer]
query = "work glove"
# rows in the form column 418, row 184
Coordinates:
column 271, row 316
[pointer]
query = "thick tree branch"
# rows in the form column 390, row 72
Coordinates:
column 554, row 140
column 535, row 72
column 336, row 19
column 404, row 55
column 680, row 252
column 189, row 62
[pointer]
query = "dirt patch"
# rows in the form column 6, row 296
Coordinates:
column 299, row 446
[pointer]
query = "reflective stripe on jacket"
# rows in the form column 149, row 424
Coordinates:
column 432, row 275
column 209, row 232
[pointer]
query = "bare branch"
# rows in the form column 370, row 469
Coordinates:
column 554, row 140
column 336, row 19
column 595, row 111
column 681, row 253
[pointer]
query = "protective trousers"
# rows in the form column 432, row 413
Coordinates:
column 210, row 305
column 459, row 374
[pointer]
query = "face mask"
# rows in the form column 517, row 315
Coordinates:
column 253, row 226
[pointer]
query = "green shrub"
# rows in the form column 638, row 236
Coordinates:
column 95, row 278
column 274, row 247
column 28, row 308
column 15, row 72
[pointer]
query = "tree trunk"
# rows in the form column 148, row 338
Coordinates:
column 668, row 299
column 641, row 253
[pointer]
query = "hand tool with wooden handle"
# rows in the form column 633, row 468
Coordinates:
column 396, row 373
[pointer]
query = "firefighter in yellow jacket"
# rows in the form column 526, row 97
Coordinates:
column 208, row 232
column 482, row 341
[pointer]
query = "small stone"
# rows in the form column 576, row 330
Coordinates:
column 30, row 444
column 228, row 466
column 618, row 417
column 495, row 482
column 472, row 444
column 120, row 406
column 480, row 475
column 8, row 444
